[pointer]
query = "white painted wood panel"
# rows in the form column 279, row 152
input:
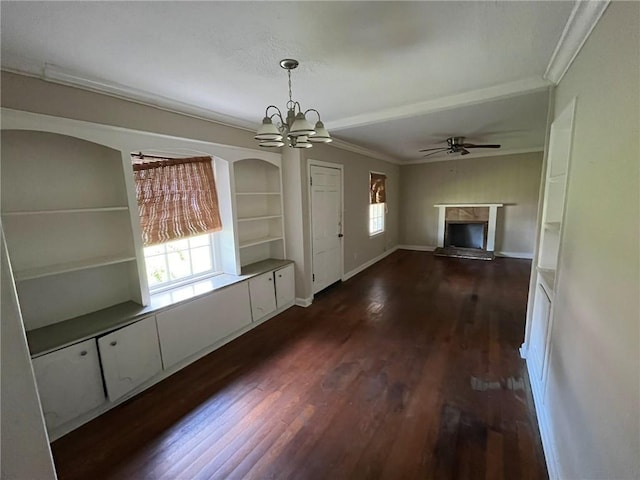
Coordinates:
column 130, row 356
column 69, row 382
column 263, row 298
column 326, row 228
column 193, row 326
column 285, row 286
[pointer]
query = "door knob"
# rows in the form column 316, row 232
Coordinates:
column 340, row 235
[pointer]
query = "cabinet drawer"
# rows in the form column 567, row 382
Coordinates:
column 69, row 382
column 198, row 324
column 130, row 356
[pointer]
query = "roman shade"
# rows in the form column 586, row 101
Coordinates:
column 177, row 198
column 377, row 188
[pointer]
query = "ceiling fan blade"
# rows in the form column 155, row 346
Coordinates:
column 471, row 145
column 464, row 151
column 429, row 149
column 433, row 153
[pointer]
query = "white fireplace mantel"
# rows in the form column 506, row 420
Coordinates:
column 491, row 228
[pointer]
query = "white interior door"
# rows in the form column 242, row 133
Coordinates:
column 326, row 226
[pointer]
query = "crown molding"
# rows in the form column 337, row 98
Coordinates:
column 498, row 153
column 472, row 97
column 52, row 73
column 343, row 145
column 584, row 17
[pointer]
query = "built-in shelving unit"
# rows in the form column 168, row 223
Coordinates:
column 68, row 227
column 541, row 318
column 258, row 210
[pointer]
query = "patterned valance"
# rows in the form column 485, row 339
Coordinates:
column 177, row 198
column 377, row 188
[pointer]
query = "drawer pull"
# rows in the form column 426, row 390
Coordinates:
column 114, row 343
column 280, row 276
column 83, row 353
column 270, row 279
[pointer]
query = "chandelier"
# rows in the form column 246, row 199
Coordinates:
column 296, row 129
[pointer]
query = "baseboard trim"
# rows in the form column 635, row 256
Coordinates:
column 418, row 248
column 366, row 265
column 304, row 302
column 544, row 426
column 524, row 255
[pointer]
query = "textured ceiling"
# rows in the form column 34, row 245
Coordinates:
column 390, row 76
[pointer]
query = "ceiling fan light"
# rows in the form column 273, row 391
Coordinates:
column 301, row 127
column 322, row 135
column 301, row 141
column 268, row 131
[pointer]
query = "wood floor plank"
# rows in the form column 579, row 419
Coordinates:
column 408, row 370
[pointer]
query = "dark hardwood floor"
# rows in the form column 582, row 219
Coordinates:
column 409, row 370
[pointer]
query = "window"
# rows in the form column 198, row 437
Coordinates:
column 178, row 207
column 376, row 218
column 377, row 202
column 180, row 261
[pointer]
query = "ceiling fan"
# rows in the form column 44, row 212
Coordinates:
column 457, row 145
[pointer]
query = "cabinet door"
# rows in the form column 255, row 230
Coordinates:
column 263, row 298
column 539, row 330
column 130, row 356
column 198, row 324
column 285, row 286
column 69, row 382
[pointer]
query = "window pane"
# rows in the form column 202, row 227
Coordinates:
column 201, row 259
column 156, row 270
column 154, row 250
column 200, row 240
column 179, row 264
column 177, row 245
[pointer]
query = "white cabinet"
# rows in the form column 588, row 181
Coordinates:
column 130, row 356
column 285, row 286
column 263, row 298
column 198, row 324
column 271, row 291
column 69, row 382
column 539, row 332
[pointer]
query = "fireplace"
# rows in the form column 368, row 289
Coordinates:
column 467, row 230
column 466, row 235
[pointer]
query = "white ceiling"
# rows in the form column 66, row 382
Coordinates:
column 393, row 77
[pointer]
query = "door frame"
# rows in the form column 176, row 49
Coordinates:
column 338, row 166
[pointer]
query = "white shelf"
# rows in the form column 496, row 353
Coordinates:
column 552, row 226
column 548, row 277
column 56, row 269
column 67, row 210
column 556, row 178
column 261, row 217
column 257, row 193
column 258, row 241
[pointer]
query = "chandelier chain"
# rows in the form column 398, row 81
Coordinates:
column 290, row 94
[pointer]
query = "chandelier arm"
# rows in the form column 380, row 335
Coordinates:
column 266, row 111
column 313, row 110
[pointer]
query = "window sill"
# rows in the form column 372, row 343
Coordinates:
column 377, row 234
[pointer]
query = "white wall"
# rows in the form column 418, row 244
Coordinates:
column 593, row 387
column 25, row 452
column 510, row 179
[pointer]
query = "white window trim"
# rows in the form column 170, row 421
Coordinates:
column 181, row 282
